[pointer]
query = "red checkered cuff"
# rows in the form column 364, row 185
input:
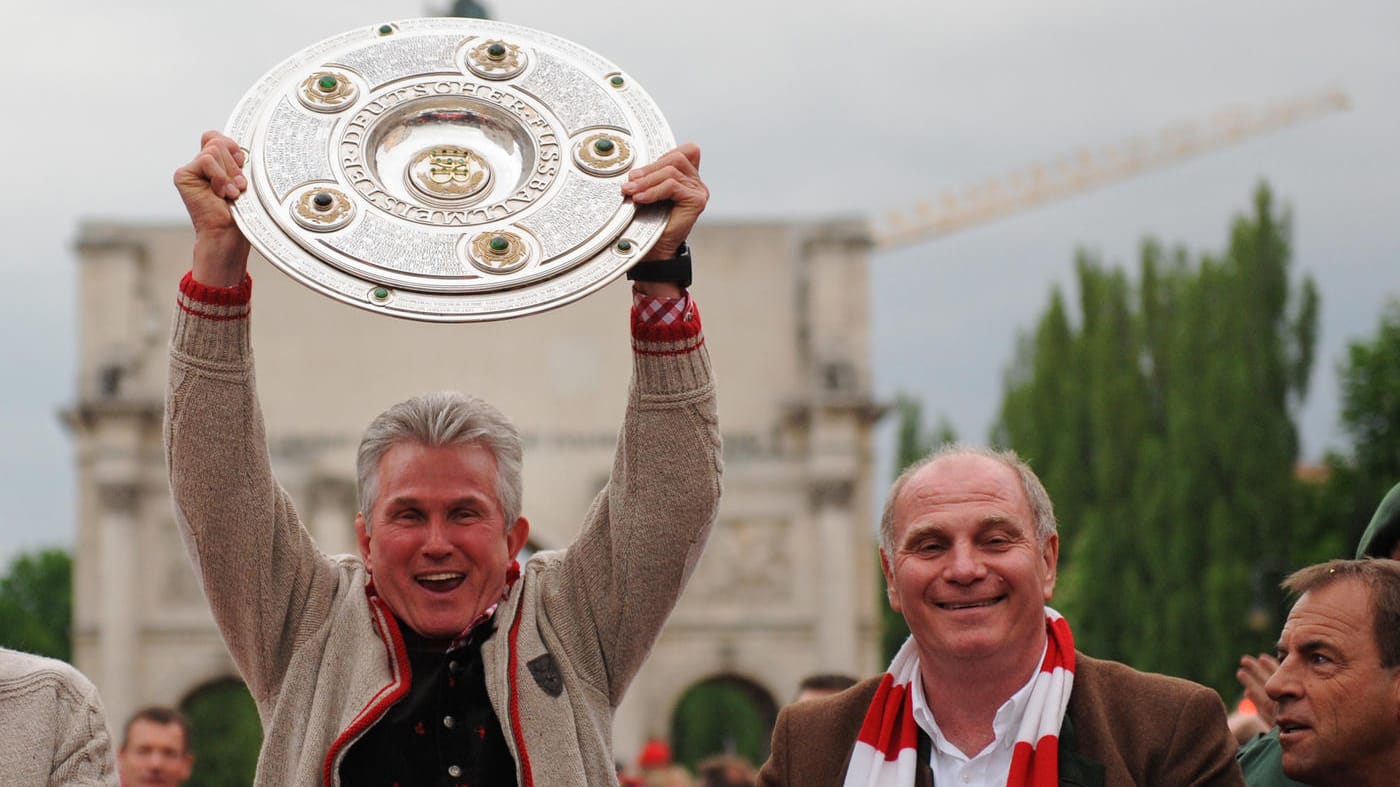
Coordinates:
column 654, row 310
column 672, row 322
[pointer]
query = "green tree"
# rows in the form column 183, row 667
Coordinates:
column 1371, row 397
column 1161, row 419
column 1371, row 409
column 226, row 735
column 1340, row 508
column 36, row 604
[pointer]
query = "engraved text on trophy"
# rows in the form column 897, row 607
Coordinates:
column 508, row 153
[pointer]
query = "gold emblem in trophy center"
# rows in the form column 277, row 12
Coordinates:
column 448, row 175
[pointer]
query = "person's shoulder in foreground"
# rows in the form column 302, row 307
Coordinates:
column 55, row 732
column 1261, row 760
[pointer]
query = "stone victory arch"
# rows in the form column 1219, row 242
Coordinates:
column 788, row 586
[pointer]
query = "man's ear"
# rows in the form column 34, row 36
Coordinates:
column 888, row 571
column 517, row 536
column 186, row 767
column 1050, row 553
column 362, row 538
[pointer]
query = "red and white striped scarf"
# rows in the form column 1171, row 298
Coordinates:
column 886, row 753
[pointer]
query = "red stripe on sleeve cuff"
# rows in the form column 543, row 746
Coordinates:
column 238, row 295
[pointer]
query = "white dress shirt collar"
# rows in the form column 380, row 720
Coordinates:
column 988, row 767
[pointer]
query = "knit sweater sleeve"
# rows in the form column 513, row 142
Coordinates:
column 84, row 756
column 267, row 584
column 55, row 729
column 645, row 531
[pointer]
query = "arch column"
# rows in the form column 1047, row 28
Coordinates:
column 836, row 620
column 120, row 622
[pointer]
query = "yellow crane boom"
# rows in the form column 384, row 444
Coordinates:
column 1085, row 170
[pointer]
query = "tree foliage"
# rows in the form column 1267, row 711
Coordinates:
column 1356, row 480
column 36, row 604
column 1161, row 419
column 1371, row 401
column 225, row 735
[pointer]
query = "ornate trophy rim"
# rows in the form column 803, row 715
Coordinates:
column 447, row 169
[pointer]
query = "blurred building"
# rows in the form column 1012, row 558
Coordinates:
column 790, row 581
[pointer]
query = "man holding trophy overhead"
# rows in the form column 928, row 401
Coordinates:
column 433, row 657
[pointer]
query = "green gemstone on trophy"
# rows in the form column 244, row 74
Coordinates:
column 499, row 243
column 381, row 294
column 617, row 81
column 496, row 51
column 327, row 83
column 385, row 30
column 624, row 246
column 604, row 146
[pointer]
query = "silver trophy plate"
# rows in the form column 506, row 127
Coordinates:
column 448, row 169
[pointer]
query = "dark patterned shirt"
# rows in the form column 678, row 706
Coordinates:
column 443, row 732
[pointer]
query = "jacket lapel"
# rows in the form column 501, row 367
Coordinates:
column 1076, row 770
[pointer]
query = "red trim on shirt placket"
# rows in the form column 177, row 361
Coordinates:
column 527, row 778
column 380, row 703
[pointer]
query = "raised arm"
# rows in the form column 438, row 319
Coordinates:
column 645, row 531
column 261, row 572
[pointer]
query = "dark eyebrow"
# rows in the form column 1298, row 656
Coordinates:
column 413, row 501
column 1311, row 646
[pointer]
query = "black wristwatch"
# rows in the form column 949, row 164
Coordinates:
column 676, row 269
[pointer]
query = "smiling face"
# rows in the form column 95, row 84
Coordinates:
column 967, row 571
column 1338, row 708
column 437, row 543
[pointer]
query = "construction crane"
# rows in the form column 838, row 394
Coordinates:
column 1086, row 170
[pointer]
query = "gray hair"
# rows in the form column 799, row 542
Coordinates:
column 444, row 419
column 1042, row 510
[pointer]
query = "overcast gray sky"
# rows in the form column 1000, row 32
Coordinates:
column 804, row 110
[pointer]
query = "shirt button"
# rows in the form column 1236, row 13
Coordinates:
column 449, row 722
column 454, row 771
column 966, row 777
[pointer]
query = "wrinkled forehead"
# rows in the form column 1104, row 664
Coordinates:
column 963, row 481
column 1339, row 611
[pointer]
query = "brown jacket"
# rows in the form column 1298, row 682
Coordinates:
column 1123, row 727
